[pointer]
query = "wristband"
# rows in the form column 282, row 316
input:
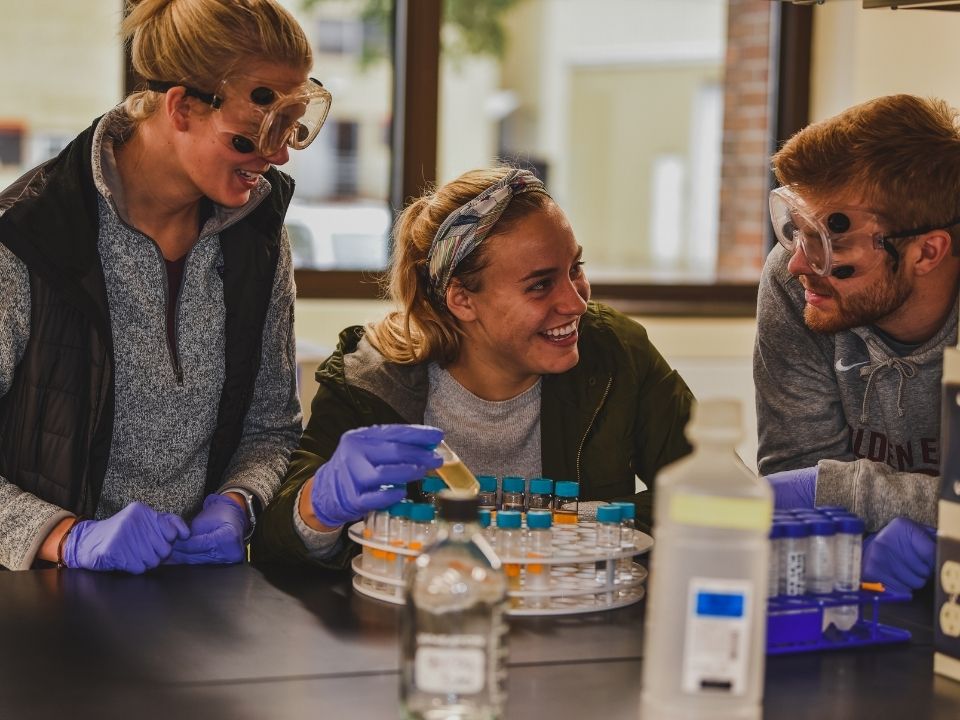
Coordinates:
column 63, row 542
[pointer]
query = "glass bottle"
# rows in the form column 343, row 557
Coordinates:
column 453, row 634
column 705, row 632
column 509, row 545
column 488, row 492
column 430, row 488
column 566, row 502
column 541, row 494
column 512, row 497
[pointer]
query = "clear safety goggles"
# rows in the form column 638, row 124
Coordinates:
column 842, row 242
column 254, row 117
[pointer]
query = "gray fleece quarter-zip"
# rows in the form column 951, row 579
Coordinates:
column 846, row 402
column 163, row 420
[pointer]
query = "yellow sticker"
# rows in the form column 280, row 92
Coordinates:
column 721, row 512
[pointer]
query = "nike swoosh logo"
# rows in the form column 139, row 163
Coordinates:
column 843, row 368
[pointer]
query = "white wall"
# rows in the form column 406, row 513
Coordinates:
column 860, row 54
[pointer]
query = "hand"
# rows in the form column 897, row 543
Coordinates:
column 216, row 535
column 134, row 540
column 794, row 488
column 368, row 461
column 901, row 555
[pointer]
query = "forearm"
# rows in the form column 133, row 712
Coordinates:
column 28, row 526
column 878, row 493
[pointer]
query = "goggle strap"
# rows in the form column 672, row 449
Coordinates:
column 214, row 101
column 922, row 230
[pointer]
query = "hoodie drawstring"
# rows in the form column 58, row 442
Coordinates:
column 906, row 369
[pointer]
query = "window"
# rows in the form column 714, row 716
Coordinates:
column 63, row 66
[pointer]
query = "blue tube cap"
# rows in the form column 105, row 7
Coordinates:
column 422, row 512
column 795, row 529
column 849, row 524
column 541, row 486
column 488, row 483
column 608, row 514
column 431, row 484
column 512, row 483
column 483, row 517
column 565, row 488
column 821, row 527
column 628, row 511
column 539, row 519
column 509, row 519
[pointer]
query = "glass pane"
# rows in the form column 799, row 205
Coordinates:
column 617, row 104
column 62, row 67
column 340, row 217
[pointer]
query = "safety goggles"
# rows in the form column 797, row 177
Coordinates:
column 254, row 117
column 842, row 242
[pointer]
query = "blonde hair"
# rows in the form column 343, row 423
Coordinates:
column 198, row 42
column 422, row 329
column 899, row 153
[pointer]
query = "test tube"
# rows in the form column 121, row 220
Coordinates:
column 454, row 473
column 566, row 502
column 541, row 494
column 793, row 558
column 421, row 527
column 820, row 553
column 848, row 549
column 628, row 521
column 376, row 527
column 773, row 574
column 539, row 545
column 512, row 498
column 485, row 518
column 488, row 492
column 608, row 539
column 509, row 536
column 399, row 537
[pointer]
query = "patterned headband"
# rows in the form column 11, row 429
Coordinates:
column 468, row 226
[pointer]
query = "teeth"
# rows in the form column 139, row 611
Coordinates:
column 246, row 175
column 561, row 331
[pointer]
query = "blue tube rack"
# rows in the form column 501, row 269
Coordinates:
column 795, row 624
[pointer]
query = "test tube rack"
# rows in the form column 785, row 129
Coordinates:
column 802, row 623
column 575, row 565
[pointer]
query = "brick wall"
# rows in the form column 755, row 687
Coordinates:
column 746, row 132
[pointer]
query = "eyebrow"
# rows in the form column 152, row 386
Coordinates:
column 543, row 272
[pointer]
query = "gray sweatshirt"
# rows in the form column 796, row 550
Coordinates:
column 162, row 424
column 846, row 402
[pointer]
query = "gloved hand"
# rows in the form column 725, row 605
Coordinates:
column 351, row 483
column 134, row 540
column 794, row 488
column 216, row 535
column 901, row 555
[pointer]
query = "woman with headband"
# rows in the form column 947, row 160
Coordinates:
column 147, row 376
column 495, row 340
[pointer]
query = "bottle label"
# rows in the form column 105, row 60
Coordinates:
column 450, row 663
column 721, row 512
column 717, row 637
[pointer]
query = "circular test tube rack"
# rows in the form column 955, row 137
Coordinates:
column 583, row 578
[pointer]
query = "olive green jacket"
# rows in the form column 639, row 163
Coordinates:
column 617, row 415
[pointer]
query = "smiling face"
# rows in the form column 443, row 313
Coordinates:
column 215, row 167
column 873, row 293
column 522, row 319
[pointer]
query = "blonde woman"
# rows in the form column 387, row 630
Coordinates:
column 147, row 377
column 495, row 341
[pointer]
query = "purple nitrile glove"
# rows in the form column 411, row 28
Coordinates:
column 134, row 540
column 794, row 488
column 216, row 535
column 368, row 461
column 901, row 555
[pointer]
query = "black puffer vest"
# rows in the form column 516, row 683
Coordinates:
column 56, row 421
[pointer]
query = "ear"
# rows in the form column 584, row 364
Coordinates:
column 932, row 248
column 176, row 106
column 460, row 301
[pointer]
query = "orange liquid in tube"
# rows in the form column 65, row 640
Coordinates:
column 454, row 473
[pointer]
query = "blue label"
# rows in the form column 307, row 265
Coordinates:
column 720, row 604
